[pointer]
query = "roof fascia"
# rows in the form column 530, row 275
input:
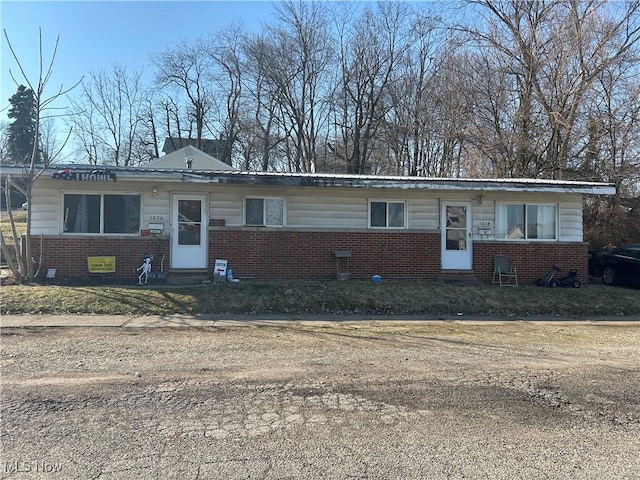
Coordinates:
column 400, row 183
column 237, row 177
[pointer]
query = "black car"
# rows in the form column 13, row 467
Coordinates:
column 621, row 266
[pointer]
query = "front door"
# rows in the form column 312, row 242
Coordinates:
column 189, row 222
column 456, row 236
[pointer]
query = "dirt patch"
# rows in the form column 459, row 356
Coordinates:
column 359, row 400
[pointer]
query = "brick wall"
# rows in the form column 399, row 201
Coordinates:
column 68, row 255
column 281, row 254
column 532, row 260
column 311, row 255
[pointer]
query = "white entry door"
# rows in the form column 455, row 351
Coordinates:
column 456, row 236
column 189, row 220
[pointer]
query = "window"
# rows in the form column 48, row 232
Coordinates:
column 189, row 222
column 91, row 213
column 632, row 252
column 386, row 214
column 526, row 222
column 268, row 212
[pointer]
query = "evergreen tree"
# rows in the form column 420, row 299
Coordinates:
column 23, row 127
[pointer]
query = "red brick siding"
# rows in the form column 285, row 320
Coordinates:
column 532, row 260
column 310, row 255
column 68, row 255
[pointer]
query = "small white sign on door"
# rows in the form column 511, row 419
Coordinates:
column 220, row 268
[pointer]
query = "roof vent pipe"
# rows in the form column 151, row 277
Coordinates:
column 188, row 161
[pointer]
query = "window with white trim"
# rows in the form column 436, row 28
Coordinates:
column 264, row 212
column 526, row 222
column 387, row 214
column 101, row 213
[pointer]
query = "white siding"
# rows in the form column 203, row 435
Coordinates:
column 569, row 212
column 570, row 218
column 156, row 210
column 47, row 202
column 423, row 213
column 227, row 204
column 45, row 212
column 327, row 212
column 483, row 219
column 484, row 212
column 199, row 160
column 306, row 208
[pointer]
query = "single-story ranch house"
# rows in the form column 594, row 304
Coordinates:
column 300, row 225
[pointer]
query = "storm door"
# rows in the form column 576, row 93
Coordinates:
column 189, row 222
column 456, row 236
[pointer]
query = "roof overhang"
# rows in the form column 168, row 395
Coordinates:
column 398, row 182
column 319, row 180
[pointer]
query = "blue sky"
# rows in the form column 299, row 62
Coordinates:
column 96, row 34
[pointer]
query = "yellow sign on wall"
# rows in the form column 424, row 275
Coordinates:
column 101, row 264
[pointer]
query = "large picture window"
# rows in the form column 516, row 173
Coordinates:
column 526, row 222
column 386, row 214
column 102, row 213
column 267, row 212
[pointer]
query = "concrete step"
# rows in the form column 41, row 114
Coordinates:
column 188, row 277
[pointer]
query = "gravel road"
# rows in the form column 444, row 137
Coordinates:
column 388, row 400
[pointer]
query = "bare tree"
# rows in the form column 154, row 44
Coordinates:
column 107, row 115
column 49, row 140
column 294, row 68
column 226, row 53
column 4, row 142
column 172, row 115
column 369, row 56
column 185, row 71
column 24, row 268
column 262, row 132
column 148, row 144
column 556, row 96
column 550, row 56
column 427, row 109
column 491, row 135
column 611, row 153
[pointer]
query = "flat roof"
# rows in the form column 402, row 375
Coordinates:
column 290, row 179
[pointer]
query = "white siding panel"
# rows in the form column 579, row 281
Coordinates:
column 570, row 217
column 157, row 206
column 483, row 220
column 327, row 212
column 156, row 209
column 227, row 205
column 569, row 211
column 423, row 213
column 321, row 208
column 47, row 202
column 351, row 209
column 484, row 212
column 45, row 212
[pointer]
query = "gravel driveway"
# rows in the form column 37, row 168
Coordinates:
column 408, row 400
